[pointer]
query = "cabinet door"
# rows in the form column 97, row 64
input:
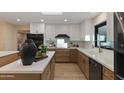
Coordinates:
column 46, row 74
column 86, row 70
column 107, row 74
column 20, row 76
column 52, row 69
column 50, row 32
column 73, row 55
column 37, row 28
column 80, row 61
column 74, row 32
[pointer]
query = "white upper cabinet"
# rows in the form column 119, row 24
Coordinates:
column 37, row 28
column 74, row 32
column 71, row 30
column 50, row 32
column 86, row 30
column 61, row 29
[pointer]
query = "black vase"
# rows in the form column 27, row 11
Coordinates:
column 28, row 52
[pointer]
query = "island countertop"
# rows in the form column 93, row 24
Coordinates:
column 36, row 67
column 6, row 53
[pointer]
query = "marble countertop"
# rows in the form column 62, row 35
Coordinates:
column 6, row 53
column 106, row 57
column 35, row 68
column 62, row 48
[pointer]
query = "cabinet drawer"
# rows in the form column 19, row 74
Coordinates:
column 108, row 73
column 20, row 76
column 63, row 52
column 62, row 59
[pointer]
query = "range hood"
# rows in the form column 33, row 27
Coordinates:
column 62, row 36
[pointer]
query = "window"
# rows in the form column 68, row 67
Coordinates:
column 101, row 35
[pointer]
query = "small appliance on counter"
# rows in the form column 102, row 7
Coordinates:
column 28, row 52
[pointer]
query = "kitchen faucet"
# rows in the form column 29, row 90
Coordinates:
column 100, row 50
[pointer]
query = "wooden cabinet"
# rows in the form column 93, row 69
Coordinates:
column 46, row 74
column 86, row 67
column 52, row 68
column 20, row 76
column 80, row 61
column 62, row 55
column 65, row 55
column 73, row 55
column 8, row 59
column 107, row 74
column 83, row 62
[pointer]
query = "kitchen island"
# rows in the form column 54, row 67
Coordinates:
column 7, row 57
column 40, row 70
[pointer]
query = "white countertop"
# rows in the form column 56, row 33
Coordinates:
column 6, row 53
column 36, row 67
column 106, row 57
column 63, row 48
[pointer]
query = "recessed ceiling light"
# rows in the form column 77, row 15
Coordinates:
column 52, row 13
column 18, row 20
column 65, row 20
column 42, row 20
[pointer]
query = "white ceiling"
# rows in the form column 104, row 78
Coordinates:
column 29, row 17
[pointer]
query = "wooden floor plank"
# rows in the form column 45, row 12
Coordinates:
column 68, row 71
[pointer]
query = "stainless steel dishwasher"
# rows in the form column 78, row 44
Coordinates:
column 95, row 70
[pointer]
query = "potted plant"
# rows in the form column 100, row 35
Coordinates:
column 43, row 50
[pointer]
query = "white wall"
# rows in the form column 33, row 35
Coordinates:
column 108, row 17
column 110, row 27
column 87, row 26
column 8, row 37
column 99, row 18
